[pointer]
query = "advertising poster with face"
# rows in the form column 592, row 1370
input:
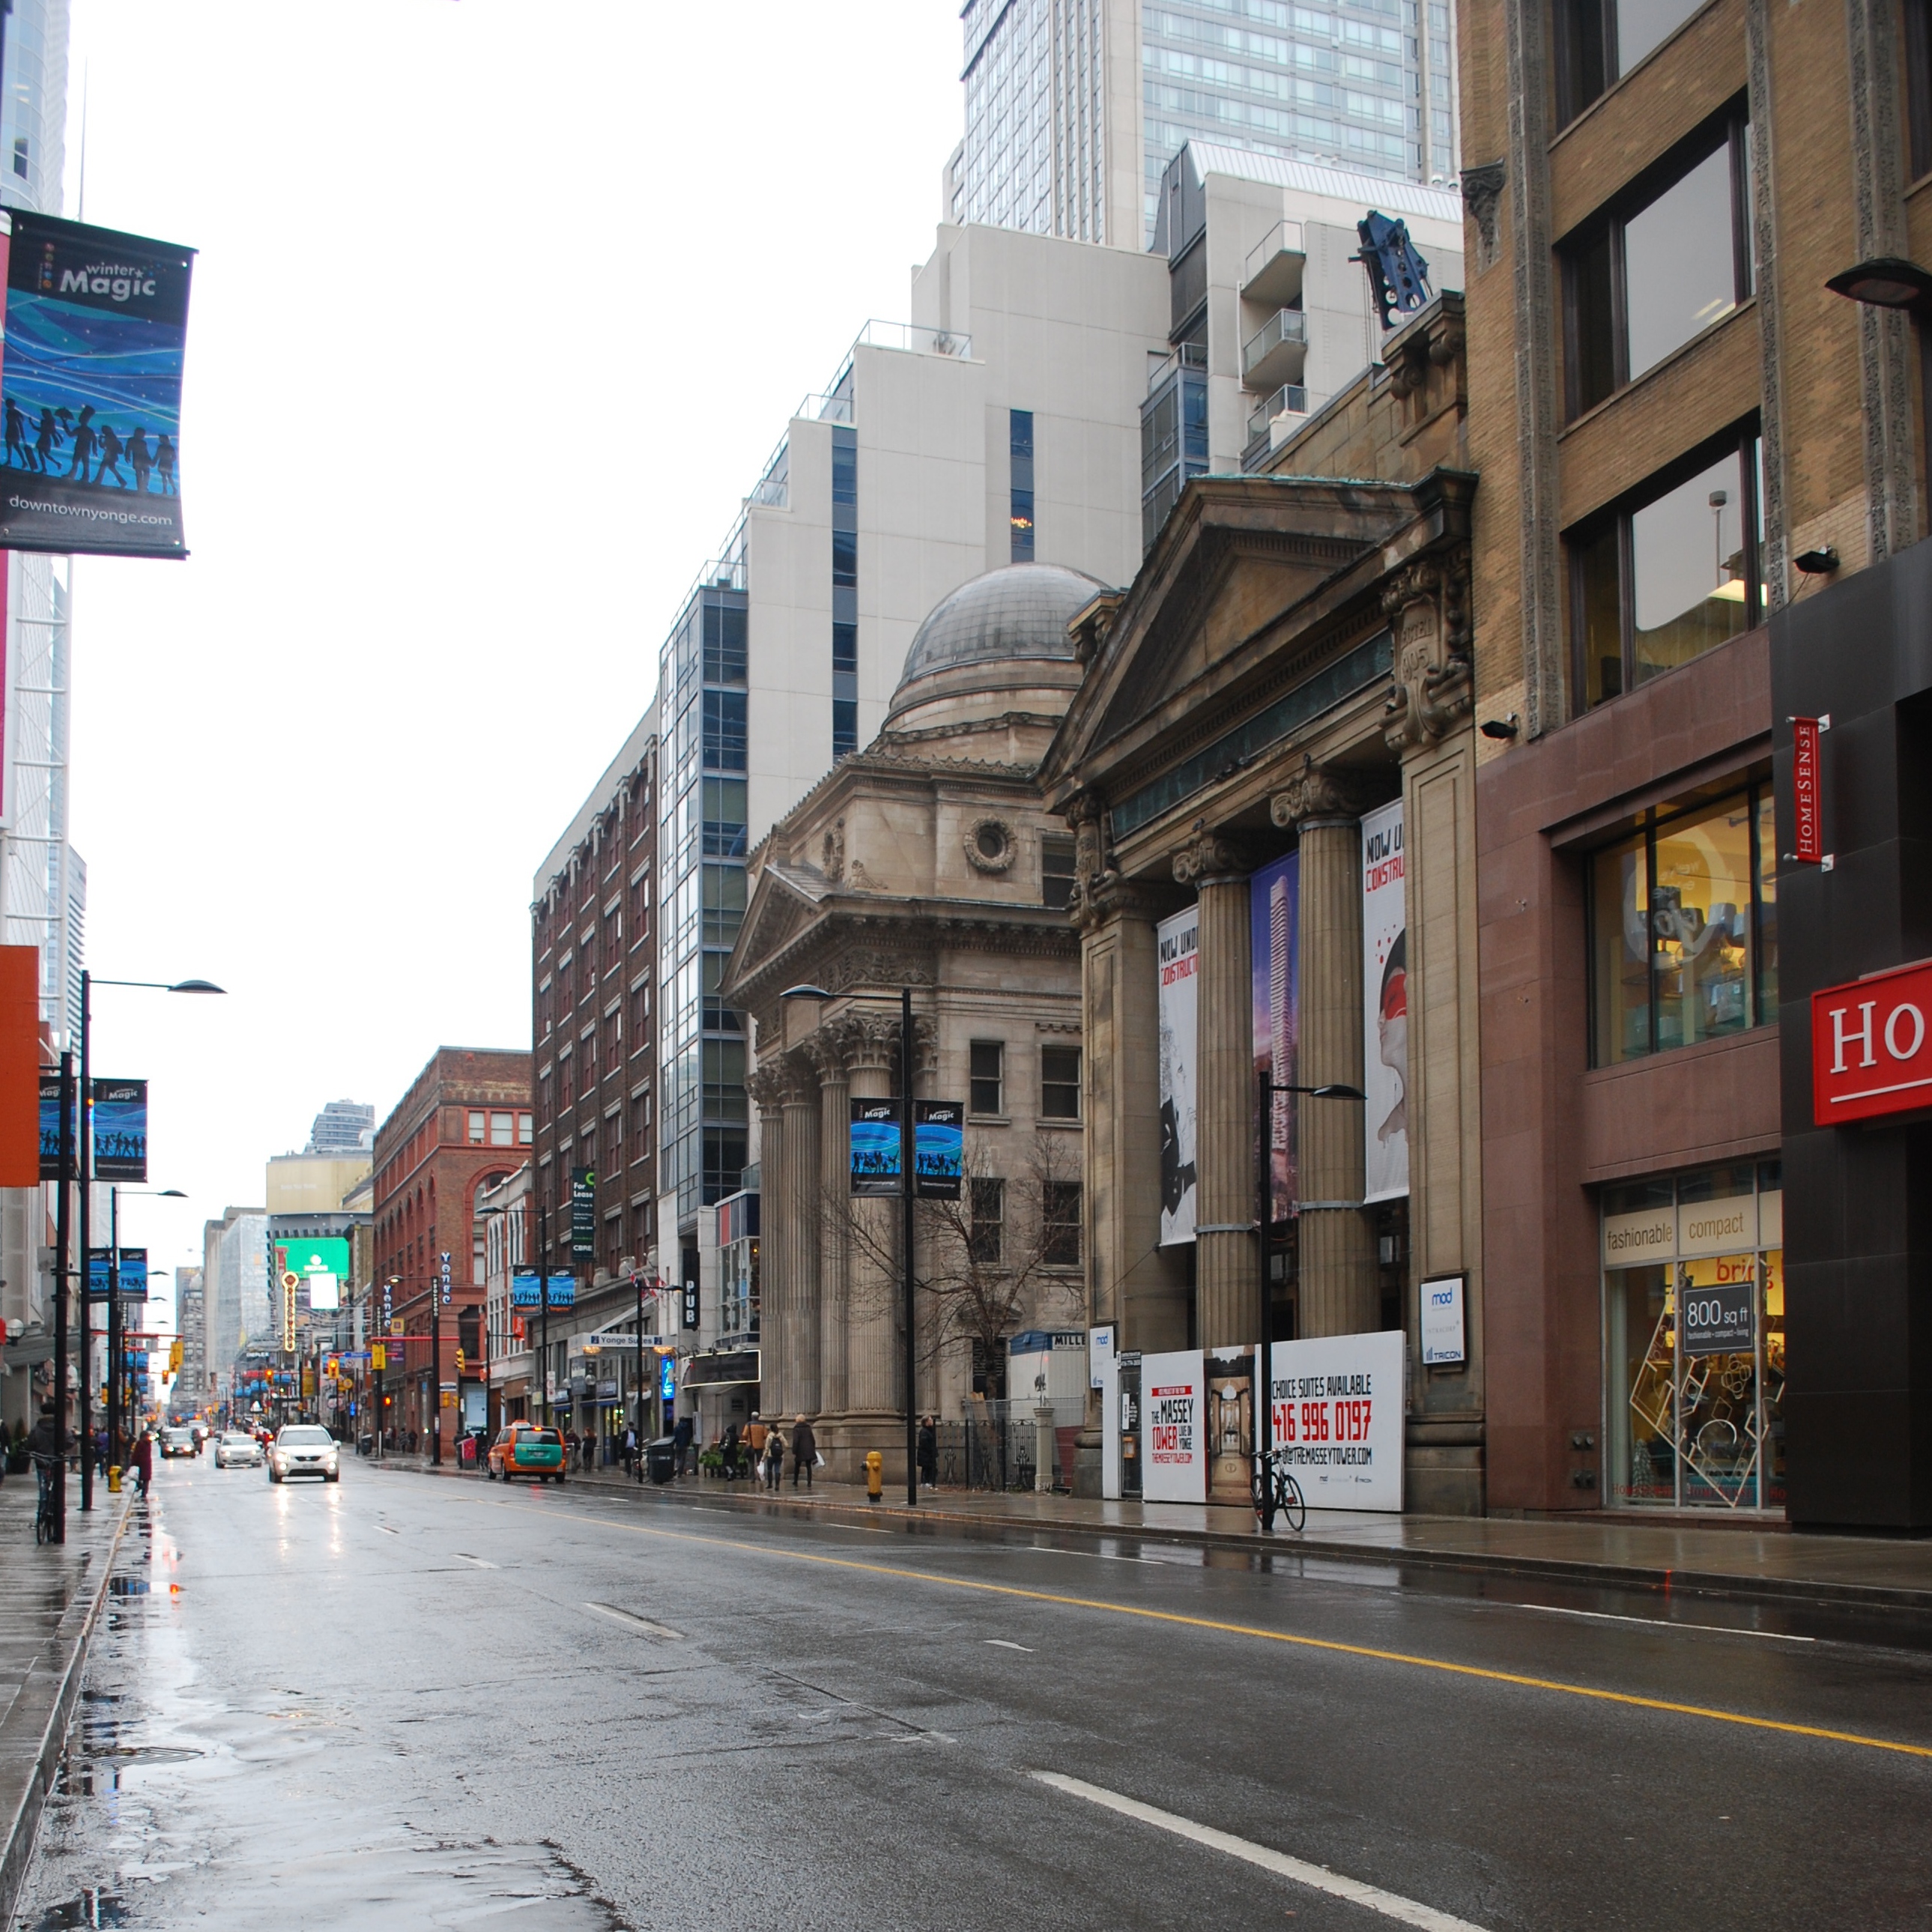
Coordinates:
column 1177, row 951
column 1174, row 1452
column 1274, row 916
column 1385, row 1005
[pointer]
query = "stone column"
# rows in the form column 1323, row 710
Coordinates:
column 766, row 1087
column 798, row 1234
column 1338, row 1293
column 829, row 1050
column 1226, row 1309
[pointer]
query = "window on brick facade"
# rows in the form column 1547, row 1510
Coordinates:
column 501, row 1129
column 1059, row 1208
column 1060, row 1083
column 1598, row 41
column 988, row 1082
column 526, row 1129
column 476, row 1130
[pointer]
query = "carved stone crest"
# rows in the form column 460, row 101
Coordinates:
column 1482, row 194
column 1427, row 604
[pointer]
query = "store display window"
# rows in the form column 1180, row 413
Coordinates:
column 1694, row 1340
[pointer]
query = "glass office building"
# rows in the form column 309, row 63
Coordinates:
column 1365, row 84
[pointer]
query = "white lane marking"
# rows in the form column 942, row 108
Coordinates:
column 1001, row 1643
column 634, row 1620
column 387, row 1531
column 1661, row 1623
column 464, row 1556
column 1317, row 1878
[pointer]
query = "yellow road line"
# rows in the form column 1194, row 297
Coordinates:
column 1268, row 1636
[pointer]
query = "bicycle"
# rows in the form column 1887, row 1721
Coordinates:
column 45, row 1524
column 1287, row 1499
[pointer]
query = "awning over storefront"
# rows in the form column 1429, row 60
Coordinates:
column 723, row 1368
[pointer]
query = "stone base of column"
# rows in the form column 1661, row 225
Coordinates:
column 1339, row 1292
column 1443, row 1472
column 843, row 1440
column 1087, row 1451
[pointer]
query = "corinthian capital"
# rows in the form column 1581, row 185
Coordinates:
column 1318, row 791
column 1208, row 856
column 766, row 1084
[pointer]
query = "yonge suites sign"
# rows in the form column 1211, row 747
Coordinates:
column 1871, row 1046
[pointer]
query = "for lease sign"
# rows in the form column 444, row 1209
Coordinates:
column 1871, row 1046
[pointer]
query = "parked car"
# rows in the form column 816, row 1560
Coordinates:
column 304, row 1449
column 522, row 1449
column 179, row 1442
column 234, row 1451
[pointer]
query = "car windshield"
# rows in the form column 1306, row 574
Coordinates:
column 543, row 1436
column 305, row 1438
column 236, row 1442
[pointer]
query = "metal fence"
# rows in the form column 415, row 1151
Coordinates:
column 1000, row 1452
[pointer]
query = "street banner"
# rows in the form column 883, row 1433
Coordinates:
column 134, row 1273
column 120, row 1130
column 1177, row 953
column 1384, row 1006
column 1273, row 921
column 1337, row 1418
column 938, row 1148
column 50, row 1126
column 583, row 1213
column 96, row 330
column 561, row 1292
column 873, row 1153
column 19, row 1055
column 1173, row 1451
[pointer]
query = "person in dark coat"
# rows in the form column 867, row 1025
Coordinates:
column 804, row 1451
column 680, row 1442
column 144, row 1461
column 928, row 1453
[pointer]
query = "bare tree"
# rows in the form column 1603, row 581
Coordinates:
column 981, row 1263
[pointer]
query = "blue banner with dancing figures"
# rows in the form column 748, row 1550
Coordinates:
column 120, row 1130
column 90, row 388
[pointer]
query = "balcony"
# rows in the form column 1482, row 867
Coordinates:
column 1272, row 273
column 1291, row 399
column 1276, row 353
column 911, row 338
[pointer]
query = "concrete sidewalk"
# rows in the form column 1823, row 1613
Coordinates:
column 50, row 1597
column 1612, row 1549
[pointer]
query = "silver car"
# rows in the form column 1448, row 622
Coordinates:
column 304, row 1449
column 234, row 1451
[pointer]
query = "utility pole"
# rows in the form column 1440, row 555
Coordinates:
column 908, row 1191
column 60, row 1296
column 543, row 1302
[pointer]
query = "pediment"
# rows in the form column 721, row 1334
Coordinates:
column 783, row 903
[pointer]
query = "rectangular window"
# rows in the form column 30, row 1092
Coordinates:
column 844, row 726
column 988, row 1223
column 845, row 648
column 1598, row 41
column 725, row 732
column 524, row 1130
column 1059, row 1218
column 1651, row 273
column 1020, row 449
column 723, row 643
column 501, row 1127
column 1060, row 1083
column 1662, row 579
column 1056, row 871
column 845, row 558
column 724, row 818
column 987, row 1081
column 476, row 1130
column 844, row 468
column 1683, row 930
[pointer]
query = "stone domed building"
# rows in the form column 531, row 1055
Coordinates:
column 925, row 860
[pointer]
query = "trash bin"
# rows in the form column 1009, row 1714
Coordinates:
column 660, row 1460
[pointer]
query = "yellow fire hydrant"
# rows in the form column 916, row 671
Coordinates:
column 875, row 1474
column 114, row 1479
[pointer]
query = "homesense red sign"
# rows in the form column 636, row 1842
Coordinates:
column 1871, row 1046
column 1809, row 826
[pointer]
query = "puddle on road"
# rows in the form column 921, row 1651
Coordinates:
column 91, row 1908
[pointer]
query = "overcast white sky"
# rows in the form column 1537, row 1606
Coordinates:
column 500, row 306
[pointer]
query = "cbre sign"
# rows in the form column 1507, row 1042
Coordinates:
column 1871, row 1046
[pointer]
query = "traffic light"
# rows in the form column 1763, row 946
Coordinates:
column 175, row 1356
column 459, row 1361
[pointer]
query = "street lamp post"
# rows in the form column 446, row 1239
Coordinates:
column 60, row 1297
column 907, row 1153
column 120, row 1387
column 543, row 1303
column 88, row 983
column 1265, row 1090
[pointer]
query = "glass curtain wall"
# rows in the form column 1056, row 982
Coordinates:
column 1694, row 1340
column 703, row 1129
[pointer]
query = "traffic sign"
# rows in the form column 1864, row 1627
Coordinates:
column 379, row 1356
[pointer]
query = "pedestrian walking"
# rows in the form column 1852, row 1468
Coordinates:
column 928, row 1453
column 774, row 1457
column 144, row 1462
column 680, row 1443
column 804, row 1451
column 630, row 1448
column 730, row 1447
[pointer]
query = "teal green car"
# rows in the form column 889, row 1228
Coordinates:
column 524, row 1449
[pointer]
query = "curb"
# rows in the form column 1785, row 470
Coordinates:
column 1736, row 1586
column 23, row 1829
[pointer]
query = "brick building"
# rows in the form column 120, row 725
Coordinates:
column 464, row 1125
column 592, row 938
column 1684, row 435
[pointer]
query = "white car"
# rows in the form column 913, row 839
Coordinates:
column 234, row 1451
column 304, row 1449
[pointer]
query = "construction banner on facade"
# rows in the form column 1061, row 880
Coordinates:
column 1178, row 949
column 96, row 332
column 1274, row 917
column 1385, row 1005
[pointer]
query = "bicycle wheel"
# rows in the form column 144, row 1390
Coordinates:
column 1255, row 1492
column 1289, row 1502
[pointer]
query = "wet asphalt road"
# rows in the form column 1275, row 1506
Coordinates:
column 409, row 1701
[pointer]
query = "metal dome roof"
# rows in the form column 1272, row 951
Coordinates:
column 1020, row 611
